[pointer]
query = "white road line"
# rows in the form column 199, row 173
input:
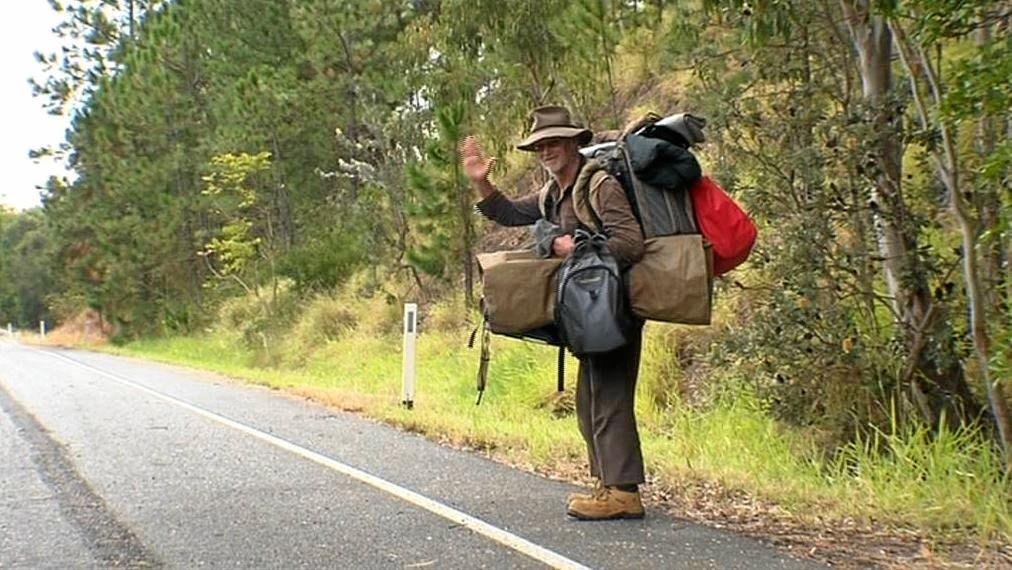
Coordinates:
column 477, row 525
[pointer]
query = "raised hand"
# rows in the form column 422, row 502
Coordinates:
column 475, row 164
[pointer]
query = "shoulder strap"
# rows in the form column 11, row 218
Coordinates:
column 596, row 181
column 585, row 190
column 486, row 341
column 588, row 184
column 543, row 196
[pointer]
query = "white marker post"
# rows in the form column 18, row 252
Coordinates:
column 408, row 377
column 10, row 330
column 42, row 328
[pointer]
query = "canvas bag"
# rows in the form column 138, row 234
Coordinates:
column 672, row 282
column 519, row 290
column 518, row 301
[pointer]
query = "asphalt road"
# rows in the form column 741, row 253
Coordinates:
column 114, row 462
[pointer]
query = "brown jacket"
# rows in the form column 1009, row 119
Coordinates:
column 625, row 239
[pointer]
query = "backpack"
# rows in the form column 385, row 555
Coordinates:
column 659, row 211
column 664, row 185
column 591, row 311
column 652, row 163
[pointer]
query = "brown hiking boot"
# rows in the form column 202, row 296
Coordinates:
column 608, row 503
column 597, row 488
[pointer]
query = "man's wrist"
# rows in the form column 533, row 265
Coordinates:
column 485, row 188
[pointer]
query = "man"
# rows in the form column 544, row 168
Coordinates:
column 607, row 382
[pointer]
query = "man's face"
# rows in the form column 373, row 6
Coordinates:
column 556, row 154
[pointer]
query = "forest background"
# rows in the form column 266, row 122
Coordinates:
column 261, row 185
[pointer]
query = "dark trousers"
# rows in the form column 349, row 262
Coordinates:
column 605, row 394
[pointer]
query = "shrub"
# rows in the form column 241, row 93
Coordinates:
column 260, row 319
column 449, row 315
column 324, row 318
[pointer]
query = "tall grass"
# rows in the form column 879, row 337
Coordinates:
column 945, row 484
column 946, row 480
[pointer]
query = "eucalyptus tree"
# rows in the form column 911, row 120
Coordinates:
column 900, row 216
column 809, row 336
column 935, row 377
column 977, row 91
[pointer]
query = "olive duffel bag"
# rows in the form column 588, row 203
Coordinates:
column 519, row 290
column 672, row 282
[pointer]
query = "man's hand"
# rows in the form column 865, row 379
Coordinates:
column 475, row 164
column 563, row 246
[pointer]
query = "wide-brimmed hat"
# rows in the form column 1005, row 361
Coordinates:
column 553, row 122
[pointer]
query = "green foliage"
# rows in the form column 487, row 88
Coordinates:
column 26, row 276
column 960, row 473
column 260, row 323
column 450, row 314
column 980, row 82
column 325, row 260
column 439, row 211
column 247, row 232
column 324, row 318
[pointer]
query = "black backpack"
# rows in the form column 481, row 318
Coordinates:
column 591, row 310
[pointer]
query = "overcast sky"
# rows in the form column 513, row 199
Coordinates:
column 24, row 124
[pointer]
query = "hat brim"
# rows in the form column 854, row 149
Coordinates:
column 584, row 136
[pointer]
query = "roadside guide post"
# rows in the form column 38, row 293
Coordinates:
column 10, row 330
column 408, row 376
column 42, row 328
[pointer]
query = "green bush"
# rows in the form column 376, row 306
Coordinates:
column 324, row 318
column 261, row 319
column 448, row 315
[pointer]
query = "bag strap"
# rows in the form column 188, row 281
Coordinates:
column 561, row 370
column 486, row 355
column 588, row 185
column 474, row 335
column 544, row 194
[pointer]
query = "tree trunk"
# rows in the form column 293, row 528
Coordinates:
column 988, row 204
column 874, row 46
column 282, row 202
column 130, row 16
column 935, row 380
column 946, row 163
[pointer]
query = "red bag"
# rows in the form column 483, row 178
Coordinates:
column 723, row 223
